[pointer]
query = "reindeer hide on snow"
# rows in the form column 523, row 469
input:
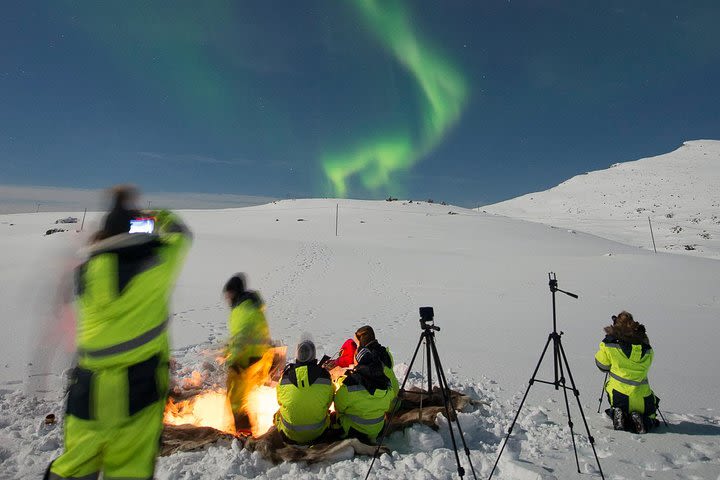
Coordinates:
column 415, row 408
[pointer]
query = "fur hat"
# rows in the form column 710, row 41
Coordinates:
column 365, row 335
column 626, row 329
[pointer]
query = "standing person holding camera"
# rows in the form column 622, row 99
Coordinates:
column 625, row 354
column 118, row 389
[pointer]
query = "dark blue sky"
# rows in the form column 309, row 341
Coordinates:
column 252, row 97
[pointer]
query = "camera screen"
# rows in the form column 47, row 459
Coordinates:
column 142, row 225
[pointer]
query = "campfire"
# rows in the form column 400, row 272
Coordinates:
column 208, row 409
column 212, row 408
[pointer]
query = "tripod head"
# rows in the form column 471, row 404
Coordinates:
column 553, row 283
column 427, row 319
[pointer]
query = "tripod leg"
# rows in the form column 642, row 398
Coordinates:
column 602, row 392
column 386, row 427
column 576, row 392
column 447, row 398
column 446, row 401
column 522, row 402
column 429, row 364
column 567, row 408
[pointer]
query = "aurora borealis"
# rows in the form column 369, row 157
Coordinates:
column 466, row 102
column 442, row 95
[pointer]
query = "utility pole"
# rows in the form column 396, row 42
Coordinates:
column 83, row 220
column 651, row 234
column 337, row 215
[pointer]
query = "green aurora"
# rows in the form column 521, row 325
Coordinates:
column 443, row 94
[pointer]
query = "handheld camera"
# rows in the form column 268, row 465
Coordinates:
column 142, row 225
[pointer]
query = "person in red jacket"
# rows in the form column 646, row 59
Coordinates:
column 342, row 361
column 346, row 358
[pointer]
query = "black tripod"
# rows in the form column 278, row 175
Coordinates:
column 428, row 336
column 561, row 365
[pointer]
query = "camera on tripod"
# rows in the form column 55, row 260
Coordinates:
column 427, row 319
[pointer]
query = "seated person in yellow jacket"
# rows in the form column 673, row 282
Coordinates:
column 365, row 338
column 363, row 396
column 118, row 389
column 626, row 355
column 249, row 340
column 304, row 394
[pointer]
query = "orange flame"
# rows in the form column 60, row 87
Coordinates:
column 213, row 409
column 261, row 405
column 260, row 401
column 209, row 409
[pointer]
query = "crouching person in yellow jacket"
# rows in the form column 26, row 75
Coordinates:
column 626, row 355
column 249, row 340
column 363, row 396
column 304, row 395
column 118, row 390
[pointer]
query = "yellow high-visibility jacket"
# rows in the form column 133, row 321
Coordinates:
column 123, row 294
column 360, row 409
column 116, row 395
column 627, row 365
column 304, row 395
column 249, row 332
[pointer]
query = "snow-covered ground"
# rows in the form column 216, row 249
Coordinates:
column 679, row 191
column 485, row 275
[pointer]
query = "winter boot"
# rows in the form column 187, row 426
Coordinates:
column 638, row 422
column 618, row 419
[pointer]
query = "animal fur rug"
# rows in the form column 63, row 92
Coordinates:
column 415, row 407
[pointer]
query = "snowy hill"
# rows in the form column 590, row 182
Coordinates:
column 679, row 191
column 485, row 275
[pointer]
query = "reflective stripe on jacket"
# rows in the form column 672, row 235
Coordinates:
column 357, row 408
column 123, row 291
column 304, row 394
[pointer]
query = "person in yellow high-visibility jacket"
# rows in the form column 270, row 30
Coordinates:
column 118, row 389
column 363, row 397
column 625, row 354
column 249, row 340
column 304, row 394
column 365, row 338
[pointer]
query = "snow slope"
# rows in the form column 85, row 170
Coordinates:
column 485, row 275
column 679, row 191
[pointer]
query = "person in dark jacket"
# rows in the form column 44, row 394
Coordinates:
column 626, row 355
